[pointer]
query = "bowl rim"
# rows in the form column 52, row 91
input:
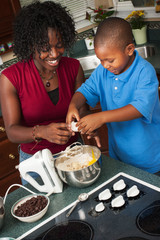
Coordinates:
column 23, row 198
column 84, row 146
column 82, row 169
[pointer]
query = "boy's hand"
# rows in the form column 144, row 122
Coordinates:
column 96, row 137
column 89, row 123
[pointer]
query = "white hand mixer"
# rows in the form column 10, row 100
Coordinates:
column 42, row 163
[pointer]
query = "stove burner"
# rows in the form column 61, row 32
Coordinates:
column 70, row 230
column 149, row 220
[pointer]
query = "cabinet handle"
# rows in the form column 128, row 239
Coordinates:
column 2, row 129
column 11, row 156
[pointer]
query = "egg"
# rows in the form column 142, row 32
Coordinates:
column 73, row 126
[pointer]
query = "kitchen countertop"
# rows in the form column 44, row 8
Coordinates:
column 110, row 167
column 154, row 60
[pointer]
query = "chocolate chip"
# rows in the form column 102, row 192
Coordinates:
column 31, row 206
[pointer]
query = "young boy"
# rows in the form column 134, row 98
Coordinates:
column 127, row 88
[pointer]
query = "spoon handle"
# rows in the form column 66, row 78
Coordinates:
column 71, row 210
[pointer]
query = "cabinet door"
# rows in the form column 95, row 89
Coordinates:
column 2, row 130
column 6, row 182
column 8, row 11
column 9, row 158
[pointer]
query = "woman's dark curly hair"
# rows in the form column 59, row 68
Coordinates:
column 31, row 28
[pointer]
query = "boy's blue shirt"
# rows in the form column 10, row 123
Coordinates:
column 135, row 142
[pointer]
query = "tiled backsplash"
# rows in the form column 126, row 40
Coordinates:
column 154, row 32
column 153, row 35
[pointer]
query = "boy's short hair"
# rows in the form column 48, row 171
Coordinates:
column 114, row 31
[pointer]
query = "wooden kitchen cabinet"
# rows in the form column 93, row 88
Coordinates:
column 8, row 11
column 9, row 158
column 102, row 132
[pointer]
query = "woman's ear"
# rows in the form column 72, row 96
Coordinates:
column 130, row 49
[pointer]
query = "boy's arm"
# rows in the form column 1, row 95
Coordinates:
column 91, row 122
column 76, row 104
column 74, row 112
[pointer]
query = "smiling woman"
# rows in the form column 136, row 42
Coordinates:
column 36, row 91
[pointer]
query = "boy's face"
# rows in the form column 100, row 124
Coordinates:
column 115, row 59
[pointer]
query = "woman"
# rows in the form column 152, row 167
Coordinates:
column 35, row 92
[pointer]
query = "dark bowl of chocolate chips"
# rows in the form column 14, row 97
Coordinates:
column 30, row 208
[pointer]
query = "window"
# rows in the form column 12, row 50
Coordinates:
column 124, row 7
column 133, row 3
column 78, row 10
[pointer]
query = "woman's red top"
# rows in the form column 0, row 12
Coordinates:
column 36, row 106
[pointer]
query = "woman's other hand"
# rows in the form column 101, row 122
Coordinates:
column 55, row 133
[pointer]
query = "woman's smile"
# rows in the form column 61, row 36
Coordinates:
column 53, row 63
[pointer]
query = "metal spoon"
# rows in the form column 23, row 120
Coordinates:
column 81, row 198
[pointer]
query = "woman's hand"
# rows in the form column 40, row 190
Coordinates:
column 72, row 115
column 55, row 133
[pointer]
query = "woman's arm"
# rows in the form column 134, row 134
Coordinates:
column 11, row 111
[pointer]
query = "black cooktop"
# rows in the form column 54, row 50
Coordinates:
column 137, row 218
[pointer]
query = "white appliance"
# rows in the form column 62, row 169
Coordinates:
column 41, row 163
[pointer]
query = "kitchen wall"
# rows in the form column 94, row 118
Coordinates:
column 153, row 33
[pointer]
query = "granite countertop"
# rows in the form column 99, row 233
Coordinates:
column 110, row 167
